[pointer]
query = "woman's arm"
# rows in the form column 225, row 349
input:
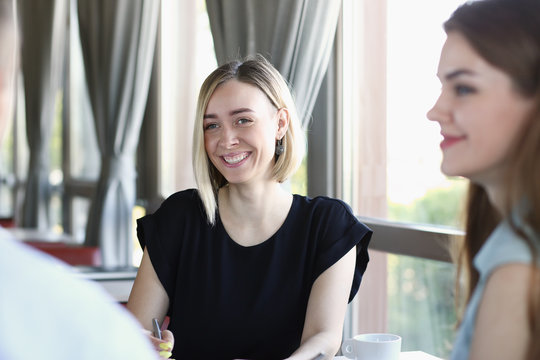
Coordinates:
column 326, row 309
column 148, row 299
column 502, row 321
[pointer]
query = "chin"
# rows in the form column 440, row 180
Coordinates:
column 449, row 170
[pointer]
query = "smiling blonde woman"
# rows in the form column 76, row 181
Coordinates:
column 244, row 268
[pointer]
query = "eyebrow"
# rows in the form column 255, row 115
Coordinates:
column 231, row 113
column 456, row 73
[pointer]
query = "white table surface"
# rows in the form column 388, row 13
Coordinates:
column 116, row 281
column 25, row 234
column 405, row 355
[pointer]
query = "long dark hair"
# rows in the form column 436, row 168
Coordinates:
column 506, row 33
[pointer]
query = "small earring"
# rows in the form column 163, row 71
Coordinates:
column 280, row 149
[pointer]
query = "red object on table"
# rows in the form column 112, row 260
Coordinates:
column 7, row 222
column 69, row 253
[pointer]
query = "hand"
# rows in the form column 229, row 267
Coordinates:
column 165, row 345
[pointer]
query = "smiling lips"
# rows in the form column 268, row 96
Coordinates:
column 450, row 140
column 235, row 159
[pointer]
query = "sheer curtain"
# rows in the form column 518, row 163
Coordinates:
column 42, row 60
column 295, row 35
column 118, row 40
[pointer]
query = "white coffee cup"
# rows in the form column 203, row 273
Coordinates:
column 372, row 347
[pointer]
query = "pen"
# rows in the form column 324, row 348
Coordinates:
column 157, row 329
column 319, row 357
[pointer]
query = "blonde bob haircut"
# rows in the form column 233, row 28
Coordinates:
column 256, row 71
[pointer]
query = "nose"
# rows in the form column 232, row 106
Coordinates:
column 229, row 138
column 439, row 111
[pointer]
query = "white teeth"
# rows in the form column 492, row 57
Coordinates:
column 235, row 159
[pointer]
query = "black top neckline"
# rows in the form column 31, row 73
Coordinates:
column 268, row 241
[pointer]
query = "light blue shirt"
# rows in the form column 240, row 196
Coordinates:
column 502, row 247
column 48, row 313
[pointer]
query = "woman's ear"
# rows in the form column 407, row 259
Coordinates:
column 282, row 123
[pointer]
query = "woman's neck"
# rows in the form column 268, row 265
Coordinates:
column 497, row 197
column 252, row 201
column 252, row 215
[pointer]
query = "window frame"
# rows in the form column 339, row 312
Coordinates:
column 367, row 194
column 423, row 241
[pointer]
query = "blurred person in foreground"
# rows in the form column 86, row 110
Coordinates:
column 46, row 312
column 489, row 114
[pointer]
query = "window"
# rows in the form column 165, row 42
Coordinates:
column 420, row 291
column 413, row 45
column 184, row 48
column 74, row 156
column 80, row 149
column 390, row 56
column 187, row 57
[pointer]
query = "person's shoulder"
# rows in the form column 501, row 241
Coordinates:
column 510, row 281
column 504, row 246
column 503, row 312
column 188, row 195
column 94, row 319
column 174, row 213
column 329, row 213
column 324, row 204
column 57, row 282
column 14, row 253
column 186, row 200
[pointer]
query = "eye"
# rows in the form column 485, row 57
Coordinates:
column 210, row 126
column 244, row 121
column 462, row 90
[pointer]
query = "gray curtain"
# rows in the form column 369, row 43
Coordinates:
column 295, row 35
column 118, row 40
column 44, row 26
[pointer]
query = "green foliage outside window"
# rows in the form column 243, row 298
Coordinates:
column 440, row 206
column 420, row 291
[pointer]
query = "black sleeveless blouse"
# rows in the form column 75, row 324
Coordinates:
column 228, row 301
